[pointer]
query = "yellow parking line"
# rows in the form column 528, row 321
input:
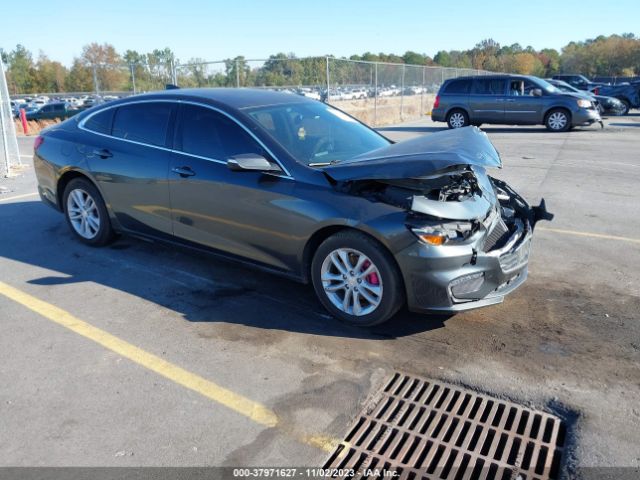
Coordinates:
column 18, row 196
column 589, row 234
column 250, row 409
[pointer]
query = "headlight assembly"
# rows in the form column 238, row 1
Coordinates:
column 445, row 233
column 583, row 103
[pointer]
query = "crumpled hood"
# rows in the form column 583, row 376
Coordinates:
column 420, row 156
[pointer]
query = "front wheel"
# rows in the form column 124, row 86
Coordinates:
column 86, row 213
column 627, row 106
column 558, row 120
column 356, row 279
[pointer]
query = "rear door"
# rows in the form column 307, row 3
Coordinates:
column 128, row 154
column 487, row 99
column 521, row 106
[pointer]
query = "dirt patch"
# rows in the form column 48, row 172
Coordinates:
column 387, row 111
column 34, row 126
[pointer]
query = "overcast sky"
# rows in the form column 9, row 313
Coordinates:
column 216, row 30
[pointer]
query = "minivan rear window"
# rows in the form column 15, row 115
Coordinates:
column 458, row 87
column 489, row 86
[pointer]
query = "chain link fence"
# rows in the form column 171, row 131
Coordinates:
column 9, row 153
column 377, row 93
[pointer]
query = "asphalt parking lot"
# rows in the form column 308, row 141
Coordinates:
column 144, row 355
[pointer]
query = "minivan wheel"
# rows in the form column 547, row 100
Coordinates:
column 86, row 213
column 457, row 119
column 356, row 279
column 558, row 120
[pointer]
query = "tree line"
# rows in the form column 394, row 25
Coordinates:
column 100, row 66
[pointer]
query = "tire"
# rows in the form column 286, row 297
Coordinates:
column 457, row 119
column 627, row 106
column 86, row 213
column 558, row 120
column 379, row 293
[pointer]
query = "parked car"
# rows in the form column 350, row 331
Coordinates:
column 606, row 105
column 51, row 111
column 300, row 188
column 579, row 81
column 627, row 93
column 27, row 107
column 510, row 100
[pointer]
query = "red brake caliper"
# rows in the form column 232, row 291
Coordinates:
column 372, row 278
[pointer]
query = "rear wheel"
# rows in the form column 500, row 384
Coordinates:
column 86, row 213
column 558, row 120
column 356, row 279
column 457, row 119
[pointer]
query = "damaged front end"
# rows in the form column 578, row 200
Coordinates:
column 474, row 231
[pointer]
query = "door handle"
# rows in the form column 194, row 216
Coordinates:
column 511, row 99
column 183, row 171
column 104, row 153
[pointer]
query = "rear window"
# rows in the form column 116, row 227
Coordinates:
column 100, row 122
column 143, row 122
column 458, row 87
column 488, row 86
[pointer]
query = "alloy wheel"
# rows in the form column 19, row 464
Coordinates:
column 456, row 120
column 83, row 213
column 557, row 120
column 351, row 281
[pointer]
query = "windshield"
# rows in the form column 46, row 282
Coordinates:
column 565, row 87
column 316, row 134
column 546, row 86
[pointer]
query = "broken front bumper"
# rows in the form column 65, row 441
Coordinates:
column 453, row 278
column 460, row 280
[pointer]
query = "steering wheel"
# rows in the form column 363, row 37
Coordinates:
column 323, row 145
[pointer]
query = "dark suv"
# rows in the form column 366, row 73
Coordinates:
column 510, row 100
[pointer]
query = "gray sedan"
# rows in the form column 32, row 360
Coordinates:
column 299, row 188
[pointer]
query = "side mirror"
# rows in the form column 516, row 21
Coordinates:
column 537, row 92
column 247, row 162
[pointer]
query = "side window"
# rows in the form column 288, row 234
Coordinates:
column 529, row 87
column 488, row 86
column 46, row 108
column 460, row 87
column 101, row 121
column 522, row 87
column 143, row 122
column 210, row 134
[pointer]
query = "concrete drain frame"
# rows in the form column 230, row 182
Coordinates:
column 416, row 428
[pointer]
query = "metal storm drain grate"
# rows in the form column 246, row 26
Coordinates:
column 422, row 429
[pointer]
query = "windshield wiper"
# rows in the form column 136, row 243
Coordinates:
column 324, row 164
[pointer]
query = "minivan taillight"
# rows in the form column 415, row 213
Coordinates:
column 39, row 141
column 436, row 104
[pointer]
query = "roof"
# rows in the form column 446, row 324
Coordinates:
column 491, row 75
column 238, row 98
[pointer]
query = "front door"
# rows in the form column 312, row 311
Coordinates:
column 242, row 213
column 522, row 107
